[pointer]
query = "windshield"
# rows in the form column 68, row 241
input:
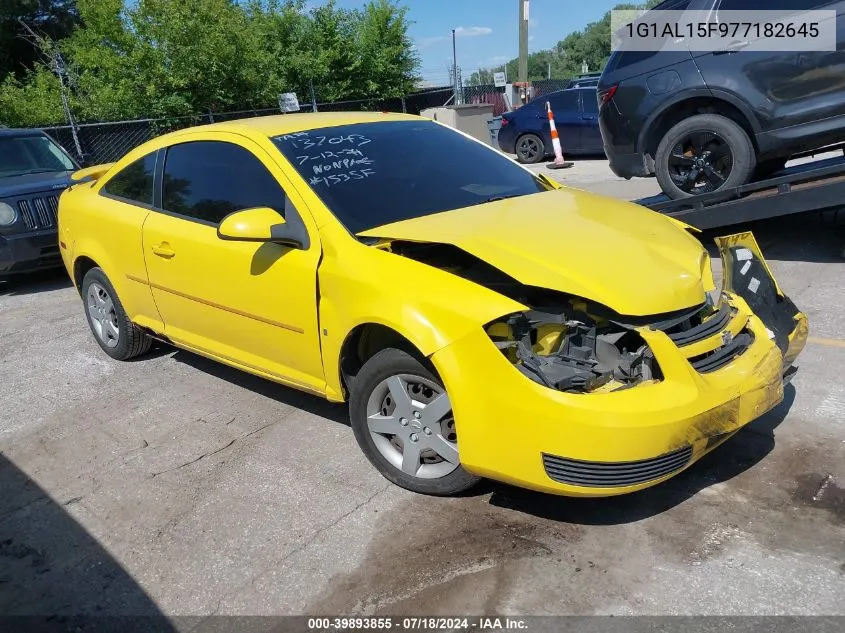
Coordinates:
column 31, row 155
column 371, row 174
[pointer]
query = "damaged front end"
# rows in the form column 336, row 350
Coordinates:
column 583, row 347
column 574, row 352
column 576, row 345
column 748, row 276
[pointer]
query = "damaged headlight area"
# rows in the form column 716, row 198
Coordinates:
column 574, row 354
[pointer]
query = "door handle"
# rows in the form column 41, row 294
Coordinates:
column 733, row 47
column 163, row 250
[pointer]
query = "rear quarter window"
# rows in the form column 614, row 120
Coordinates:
column 134, row 182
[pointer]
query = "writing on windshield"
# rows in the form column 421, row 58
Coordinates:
column 333, row 160
column 371, row 174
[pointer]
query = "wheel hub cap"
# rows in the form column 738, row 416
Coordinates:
column 102, row 315
column 410, row 421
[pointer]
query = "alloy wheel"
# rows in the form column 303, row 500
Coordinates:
column 102, row 315
column 529, row 149
column 700, row 163
column 411, row 424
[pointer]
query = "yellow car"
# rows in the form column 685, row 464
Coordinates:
column 480, row 321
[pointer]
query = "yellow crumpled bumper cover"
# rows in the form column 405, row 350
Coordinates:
column 506, row 422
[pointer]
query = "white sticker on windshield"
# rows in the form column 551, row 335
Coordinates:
column 743, row 254
column 745, row 268
column 754, row 284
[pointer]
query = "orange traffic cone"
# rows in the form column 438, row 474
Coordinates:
column 559, row 162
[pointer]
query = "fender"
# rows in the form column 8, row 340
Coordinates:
column 426, row 331
column 132, row 294
column 430, row 321
column 695, row 93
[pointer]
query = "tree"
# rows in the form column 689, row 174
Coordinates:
column 53, row 18
column 388, row 60
column 151, row 58
column 481, row 77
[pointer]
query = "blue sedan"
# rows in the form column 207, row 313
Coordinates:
column 526, row 131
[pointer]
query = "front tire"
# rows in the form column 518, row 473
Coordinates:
column 703, row 154
column 530, row 149
column 402, row 419
column 116, row 335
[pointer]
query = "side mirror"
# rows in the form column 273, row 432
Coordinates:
column 258, row 225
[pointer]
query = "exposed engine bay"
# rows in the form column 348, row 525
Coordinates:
column 570, row 352
column 563, row 342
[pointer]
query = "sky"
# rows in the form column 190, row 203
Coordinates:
column 487, row 30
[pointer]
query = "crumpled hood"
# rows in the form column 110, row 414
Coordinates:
column 630, row 259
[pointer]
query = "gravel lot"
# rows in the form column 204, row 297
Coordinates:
column 179, row 486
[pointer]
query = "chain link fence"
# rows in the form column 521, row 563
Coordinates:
column 546, row 86
column 108, row 141
column 494, row 96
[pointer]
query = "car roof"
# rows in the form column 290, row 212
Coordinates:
column 565, row 90
column 280, row 124
column 11, row 131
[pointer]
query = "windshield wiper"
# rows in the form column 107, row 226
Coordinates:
column 498, row 198
column 37, row 171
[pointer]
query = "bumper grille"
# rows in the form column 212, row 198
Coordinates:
column 715, row 324
column 724, row 355
column 614, row 475
column 39, row 213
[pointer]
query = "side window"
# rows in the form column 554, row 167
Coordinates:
column 590, row 102
column 208, row 180
column 564, row 102
column 135, row 181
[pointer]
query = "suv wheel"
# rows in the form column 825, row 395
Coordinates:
column 702, row 154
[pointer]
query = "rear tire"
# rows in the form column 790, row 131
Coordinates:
column 530, row 149
column 116, row 335
column 402, row 420
column 703, row 154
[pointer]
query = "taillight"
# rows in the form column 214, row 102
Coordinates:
column 607, row 95
column 505, row 122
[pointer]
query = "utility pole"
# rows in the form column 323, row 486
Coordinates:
column 550, row 70
column 523, row 40
column 455, row 68
column 313, row 96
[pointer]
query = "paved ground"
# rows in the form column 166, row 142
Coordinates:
column 593, row 174
column 176, row 485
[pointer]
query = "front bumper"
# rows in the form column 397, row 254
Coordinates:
column 515, row 430
column 28, row 252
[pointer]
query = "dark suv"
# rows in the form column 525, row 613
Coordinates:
column 703, row 121
column 34, row 171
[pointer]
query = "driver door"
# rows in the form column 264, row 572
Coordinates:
column 249, row 304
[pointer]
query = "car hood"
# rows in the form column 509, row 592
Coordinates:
column 32, row 183
column 630, row 259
